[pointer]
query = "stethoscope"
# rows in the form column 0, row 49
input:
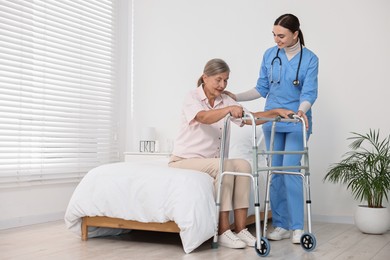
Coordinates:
column 296, row 81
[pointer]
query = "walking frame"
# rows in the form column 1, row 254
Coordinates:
column 262, row 245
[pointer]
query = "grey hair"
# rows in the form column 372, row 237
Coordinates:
column 214, row 67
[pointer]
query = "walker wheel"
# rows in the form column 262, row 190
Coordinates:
column 308, row 242
column 265, row 247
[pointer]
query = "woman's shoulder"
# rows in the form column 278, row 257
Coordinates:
column 228, row 100
column 195, row 94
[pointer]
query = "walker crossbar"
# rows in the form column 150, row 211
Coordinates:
column 276, row 168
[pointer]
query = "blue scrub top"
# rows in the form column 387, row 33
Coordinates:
column 279, row 90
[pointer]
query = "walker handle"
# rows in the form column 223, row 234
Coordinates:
column 291, row 116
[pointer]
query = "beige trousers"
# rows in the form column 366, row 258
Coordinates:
column 235, row 190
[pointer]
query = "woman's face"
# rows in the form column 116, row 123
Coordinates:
column 216, row 84
column 283, row 37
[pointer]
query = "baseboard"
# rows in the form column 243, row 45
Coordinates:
column 39, row 219
column 31, row 220
column 333, row 219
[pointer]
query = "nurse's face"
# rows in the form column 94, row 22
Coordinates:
column 216, row 84
column 283, row 37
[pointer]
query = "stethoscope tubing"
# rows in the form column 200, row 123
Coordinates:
column 296, row 81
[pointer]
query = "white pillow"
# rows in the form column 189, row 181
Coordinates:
column 241, row 143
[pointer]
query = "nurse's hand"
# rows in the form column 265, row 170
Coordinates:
column 301, row 114
column 230, row 94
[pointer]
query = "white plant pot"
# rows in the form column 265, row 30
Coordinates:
column 372, row 220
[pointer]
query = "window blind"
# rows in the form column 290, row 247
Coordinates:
column 58, row 89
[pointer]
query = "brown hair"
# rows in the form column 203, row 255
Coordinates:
column 291, row 22
column 214, row 67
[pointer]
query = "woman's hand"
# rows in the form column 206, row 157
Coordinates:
column 285, row 113
column 236, row 111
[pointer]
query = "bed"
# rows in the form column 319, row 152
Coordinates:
column 117, row 197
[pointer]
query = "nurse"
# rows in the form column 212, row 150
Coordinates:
column 288, row 79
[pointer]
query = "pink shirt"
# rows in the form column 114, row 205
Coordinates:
column 197, row 140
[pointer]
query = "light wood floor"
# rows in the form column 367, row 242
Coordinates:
column 53, row 241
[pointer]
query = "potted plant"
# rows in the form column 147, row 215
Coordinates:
column 366, row 171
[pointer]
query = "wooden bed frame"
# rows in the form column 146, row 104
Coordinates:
column 169, row 226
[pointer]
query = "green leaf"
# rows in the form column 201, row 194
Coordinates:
column 365, row 169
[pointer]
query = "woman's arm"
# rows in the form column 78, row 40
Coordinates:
column 212, row 116
column 274, row 113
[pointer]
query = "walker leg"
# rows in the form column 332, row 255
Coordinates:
column 214, row 244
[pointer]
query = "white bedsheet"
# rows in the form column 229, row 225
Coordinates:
column 146, row 192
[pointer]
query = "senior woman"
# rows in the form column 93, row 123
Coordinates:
column 197, row 147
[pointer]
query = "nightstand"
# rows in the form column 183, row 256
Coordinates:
column 141, row 157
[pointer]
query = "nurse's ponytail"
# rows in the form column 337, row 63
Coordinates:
column 300, row 36
column 291, row 22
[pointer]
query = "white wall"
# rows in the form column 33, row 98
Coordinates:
column 173, row 39
column 28, row 205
